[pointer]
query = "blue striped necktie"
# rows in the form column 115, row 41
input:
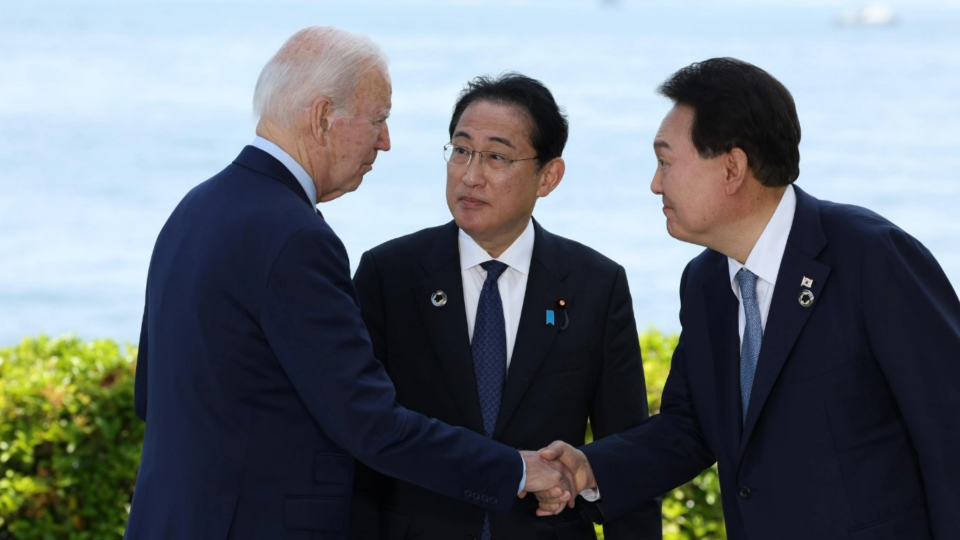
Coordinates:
column 752, row 335
column 490, row 355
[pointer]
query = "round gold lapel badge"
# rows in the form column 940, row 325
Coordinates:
column 806, row 298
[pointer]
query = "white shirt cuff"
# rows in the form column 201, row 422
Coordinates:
column 592, row 495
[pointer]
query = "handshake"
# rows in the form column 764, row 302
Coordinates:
column 555, row 475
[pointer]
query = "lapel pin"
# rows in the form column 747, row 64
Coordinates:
column 562, row 306
column 550, row 317
column 438, row 299
column 806, row 282
column 806, row 298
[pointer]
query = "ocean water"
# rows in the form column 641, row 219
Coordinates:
column 111, row 111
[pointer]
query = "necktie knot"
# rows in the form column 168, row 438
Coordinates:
column 494, row 269
column 748, row 284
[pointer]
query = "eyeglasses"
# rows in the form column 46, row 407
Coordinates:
column 460, row 156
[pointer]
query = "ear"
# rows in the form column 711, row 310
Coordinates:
column 736, row 170
column 321, row 118
column 550, row 176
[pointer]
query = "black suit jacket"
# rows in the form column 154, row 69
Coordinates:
column 557, row 379
column 853, row 430
column 258, row 383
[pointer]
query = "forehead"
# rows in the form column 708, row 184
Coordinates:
column 486, row 120
column 676, row 127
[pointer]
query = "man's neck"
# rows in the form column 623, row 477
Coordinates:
column 290, row 144
column 496, row 247
column 753, row 214
column 517, row 255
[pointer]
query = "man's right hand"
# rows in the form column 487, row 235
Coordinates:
column 577, row 464
column 548, row 479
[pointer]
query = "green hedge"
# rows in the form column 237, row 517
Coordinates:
column 69, row 439
column 70, row 442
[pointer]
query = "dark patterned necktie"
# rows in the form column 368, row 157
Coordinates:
column 490, row 355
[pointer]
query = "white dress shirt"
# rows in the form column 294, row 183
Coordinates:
column 291, row 164
column 765, row 258
column 512, row 283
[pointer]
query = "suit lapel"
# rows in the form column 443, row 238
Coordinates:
column 787, row 316
column 722, row 321
column 447, row 325
column 534, row 336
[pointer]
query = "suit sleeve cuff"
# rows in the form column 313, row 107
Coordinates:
column 523, row 478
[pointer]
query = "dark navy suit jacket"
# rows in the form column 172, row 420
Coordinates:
column 558, row 377
column 257, row 380
column 853, row 430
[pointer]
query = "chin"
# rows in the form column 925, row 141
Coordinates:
column 672, row 231
column 469, row 226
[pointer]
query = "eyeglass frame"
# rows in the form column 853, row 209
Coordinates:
column 509, row 162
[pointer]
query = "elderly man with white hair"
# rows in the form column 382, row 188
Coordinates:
column 255, row 376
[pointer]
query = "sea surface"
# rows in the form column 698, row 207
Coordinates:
column 111, row 111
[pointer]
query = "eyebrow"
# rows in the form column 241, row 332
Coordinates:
column 500, row 140
column 660, row 143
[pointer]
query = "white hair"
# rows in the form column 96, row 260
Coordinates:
column 316, row 61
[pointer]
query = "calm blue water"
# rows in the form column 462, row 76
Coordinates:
column 111, row 111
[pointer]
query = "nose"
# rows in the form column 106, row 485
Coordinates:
column 473, row 175
column 383, row 140
column 656, row 186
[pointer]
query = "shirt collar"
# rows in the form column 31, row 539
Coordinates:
column 517, row 256
column 291, row 164
column 767, row 253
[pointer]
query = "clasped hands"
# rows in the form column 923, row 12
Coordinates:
column 555, row 475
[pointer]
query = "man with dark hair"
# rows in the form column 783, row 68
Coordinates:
column 492, row 323
column 818, row 361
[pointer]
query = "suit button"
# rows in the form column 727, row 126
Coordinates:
column 493, row 500
column 745, row 492
column 476, row 496
column 468, row 494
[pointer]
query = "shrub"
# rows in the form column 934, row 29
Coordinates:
column 69, row 440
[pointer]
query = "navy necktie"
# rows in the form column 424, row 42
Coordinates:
column 752, row 335
column 490, row 355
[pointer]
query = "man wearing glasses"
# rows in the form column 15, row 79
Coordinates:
column 492, row 323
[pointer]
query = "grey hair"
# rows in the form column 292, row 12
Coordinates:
column 316, row 61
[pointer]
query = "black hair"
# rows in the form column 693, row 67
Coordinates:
column 549, row 129
column 738, row 105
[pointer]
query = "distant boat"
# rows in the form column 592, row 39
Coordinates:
column 871, row 15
